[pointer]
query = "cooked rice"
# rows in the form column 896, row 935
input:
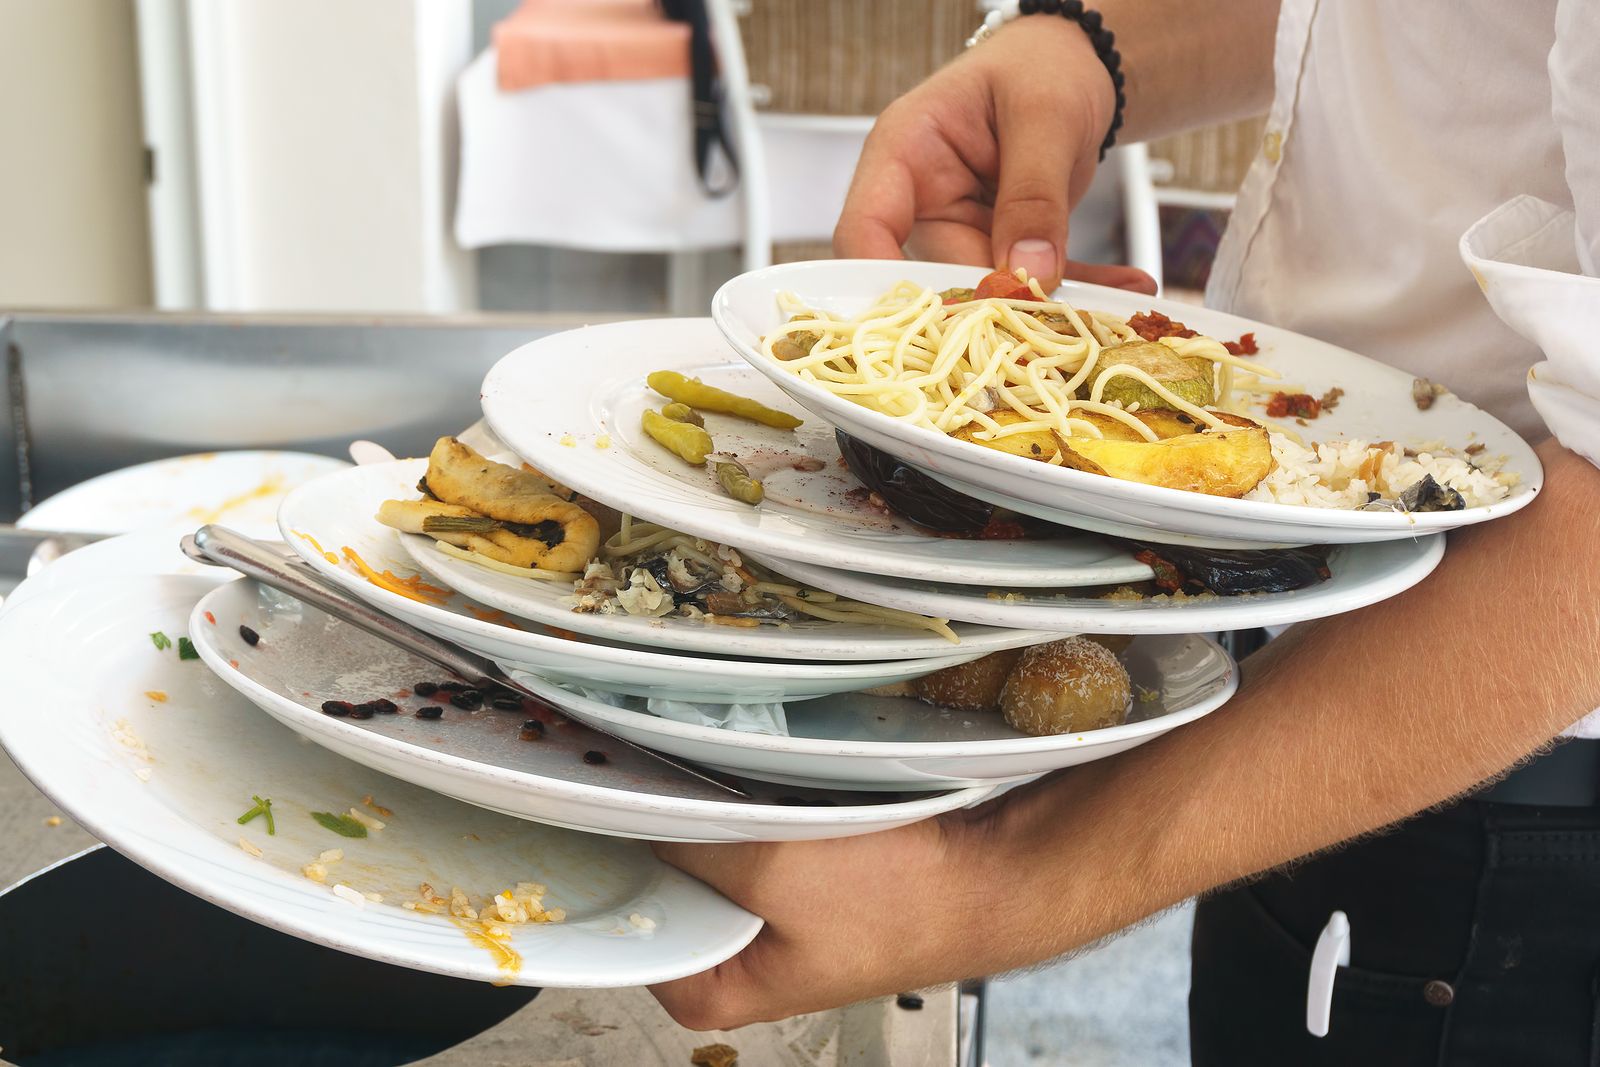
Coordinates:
column 1345, row 474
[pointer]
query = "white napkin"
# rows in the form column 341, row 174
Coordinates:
column 744, row 718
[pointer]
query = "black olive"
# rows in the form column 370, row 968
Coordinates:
column 432, row 711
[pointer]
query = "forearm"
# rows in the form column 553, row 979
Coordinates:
column 1188, row 63
column 1342, row 727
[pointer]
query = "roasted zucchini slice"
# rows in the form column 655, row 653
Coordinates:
column 1188, row 380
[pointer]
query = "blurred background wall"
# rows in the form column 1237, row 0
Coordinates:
column 73, row 227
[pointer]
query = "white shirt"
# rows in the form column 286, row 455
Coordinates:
column 1417, row 153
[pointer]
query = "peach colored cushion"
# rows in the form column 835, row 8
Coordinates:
column 547, row 41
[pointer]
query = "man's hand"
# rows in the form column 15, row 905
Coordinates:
column 982, row 163
column 846, row 919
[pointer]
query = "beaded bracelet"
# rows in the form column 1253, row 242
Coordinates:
column 1103, row 40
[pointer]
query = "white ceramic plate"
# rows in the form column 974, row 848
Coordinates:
column 1377, row 406
column 566, row 656
column 237, row 489
column 1362, row 575
column 870, row 742
column 304, row 658
column 348, row 500
column 80, row 662
column 553, row 400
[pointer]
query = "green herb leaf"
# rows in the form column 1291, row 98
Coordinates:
column 263, row 807
column 161, row 641
column 186, row 649
column 343, row 825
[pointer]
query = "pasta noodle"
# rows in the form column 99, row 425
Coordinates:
column 946, row 367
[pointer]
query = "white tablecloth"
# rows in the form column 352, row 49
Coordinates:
column 607, row 166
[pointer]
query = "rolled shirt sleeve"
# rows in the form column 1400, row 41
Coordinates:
column 1537, row 262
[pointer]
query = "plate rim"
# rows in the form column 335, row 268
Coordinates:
column 1410, row 572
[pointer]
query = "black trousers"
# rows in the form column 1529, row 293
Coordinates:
column 1475, row 942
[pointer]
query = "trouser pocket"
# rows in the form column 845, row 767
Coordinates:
column 1247, row 999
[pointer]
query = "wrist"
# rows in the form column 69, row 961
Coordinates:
column 1055, row 55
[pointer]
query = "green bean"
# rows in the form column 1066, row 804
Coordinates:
column 686, row 440
column 737, row 481
column 698, row 394
column 683, row 413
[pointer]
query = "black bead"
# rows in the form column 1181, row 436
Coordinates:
column 1072, row 9
column 1029, row 7
column 1090, row 20
column 1118, row 79
column 1103, row 40
column 1049, row 7
column 1122, row 102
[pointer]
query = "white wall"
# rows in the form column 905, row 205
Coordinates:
column 72, row 209
column 324, row 151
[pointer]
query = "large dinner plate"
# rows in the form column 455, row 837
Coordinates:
column 1361, row 575
column 303, row 658
column 1377, row 406
column 555, row 400
column 343, row 505
column 237, row 489
column 875, row 742
column 156, row 757
column 316, row 527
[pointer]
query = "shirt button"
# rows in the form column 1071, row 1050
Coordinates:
column 1272, row 146
column 1438, row 993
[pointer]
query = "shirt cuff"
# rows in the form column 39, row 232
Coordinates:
column 1524, row 255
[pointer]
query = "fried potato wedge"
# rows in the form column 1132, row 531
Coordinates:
column 1226, row 463
column 1035, row 444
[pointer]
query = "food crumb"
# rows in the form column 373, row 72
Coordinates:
column 641, row 922
column 54, row 820
column 315, row 871
column 908, row 1001
column 158, row 695
column 249, row 848
column 345, row 893
column 568, row 441
column 332, row 855
column 603, row 441
column 365, row 820
column 375, row 806
column 718, row 1055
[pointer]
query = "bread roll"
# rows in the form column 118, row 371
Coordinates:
column 1067, row 686
column 973, row 686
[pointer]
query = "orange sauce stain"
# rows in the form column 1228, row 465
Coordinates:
column 269, row 487
column 498, row 946
column 494, row 615
column 212, row 619
column 412, row 588
column 312, row 541
column 158, row 695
